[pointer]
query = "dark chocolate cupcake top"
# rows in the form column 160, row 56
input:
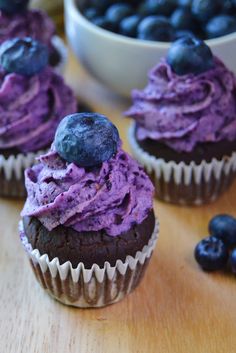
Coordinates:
column 184, row 110
column 30, row 23
column 112, row 196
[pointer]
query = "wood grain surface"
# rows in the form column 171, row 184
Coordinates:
column 177, row 309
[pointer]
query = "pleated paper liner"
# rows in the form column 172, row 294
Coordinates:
column 186, row 184
column 87, row 288
column 12, row 181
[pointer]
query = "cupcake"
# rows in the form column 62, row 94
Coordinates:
column 16, row 20
column 33, row 100
column 88, row 224
column 184, row 130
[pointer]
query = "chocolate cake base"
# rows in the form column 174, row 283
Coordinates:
column 194, row 178
column 204, row 151
column 13, row 187
column 87, row 247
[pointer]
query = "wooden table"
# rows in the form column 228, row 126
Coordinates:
column 177, row 309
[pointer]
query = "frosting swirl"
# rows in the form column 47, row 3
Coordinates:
column 31, row 109
column 31, row 23
column 183, row 111
column 112, row 197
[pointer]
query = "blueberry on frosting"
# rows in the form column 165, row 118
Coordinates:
column 23, row 56
column 13, row 6
column 190, row 55
column 86, row 139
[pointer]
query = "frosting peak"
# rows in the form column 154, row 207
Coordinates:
column 31, row 109
column 31, row 23
column 182, row 111
column 112, row 197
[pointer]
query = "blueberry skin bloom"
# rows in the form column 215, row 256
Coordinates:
column 86, row 139
column 220, row 26
column 23, row 56
column 13, row 6
column 211, row 254
column 190, row 55
column 224, row 227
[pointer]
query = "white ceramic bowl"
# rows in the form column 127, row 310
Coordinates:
column 122, row 63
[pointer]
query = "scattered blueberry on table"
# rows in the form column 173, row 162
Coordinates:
column 219, row 249
column 163, row 20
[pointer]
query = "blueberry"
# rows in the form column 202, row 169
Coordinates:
column 205, row 9
column 157, row 7
column 116, row 13
column 211, row 254
column 86, row 139
column 185, row 3
column 224, row 228
column 105, row 24
column 182, row 19
column 190, row 55
column 183, row 33
column 228, row 6
column 156, row 28
column 13, row 6
column 92, row 13
column 129, row 25
column 100, row 5
column 220, row 25
column 23, row 56
column 232, row 261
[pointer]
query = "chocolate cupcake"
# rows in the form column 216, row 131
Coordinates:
column 33, row 100
column 88, row 224
column 17, row 20
column 185, row 125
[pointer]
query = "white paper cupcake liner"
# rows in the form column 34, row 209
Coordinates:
column 60, row 46
column 95, row 287
column 12, row 173
column 185, row 183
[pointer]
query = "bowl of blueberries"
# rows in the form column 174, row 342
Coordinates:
column 118, row 41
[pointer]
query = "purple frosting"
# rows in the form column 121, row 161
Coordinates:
column 30, row 23
column 31, row 109
column 182, row 111
column 113, row 197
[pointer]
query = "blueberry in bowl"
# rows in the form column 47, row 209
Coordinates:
column 119, row 54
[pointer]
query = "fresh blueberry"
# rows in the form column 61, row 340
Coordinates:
column 117, row 12
column 211, row 254
column 220, row 26
column 232, row 261
column 183, row 33
column 190, row 55
column 23, row 56
column 86, row 139
column 228, row 6
column 92, row 13
column 182, row 19
column 102, row 22
column 101, row 5
column 129, row 25
column 224, row 228
column 205, row 9
column 185, row 3
column 13, row 6
column 155, row 28
column 157, row 7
